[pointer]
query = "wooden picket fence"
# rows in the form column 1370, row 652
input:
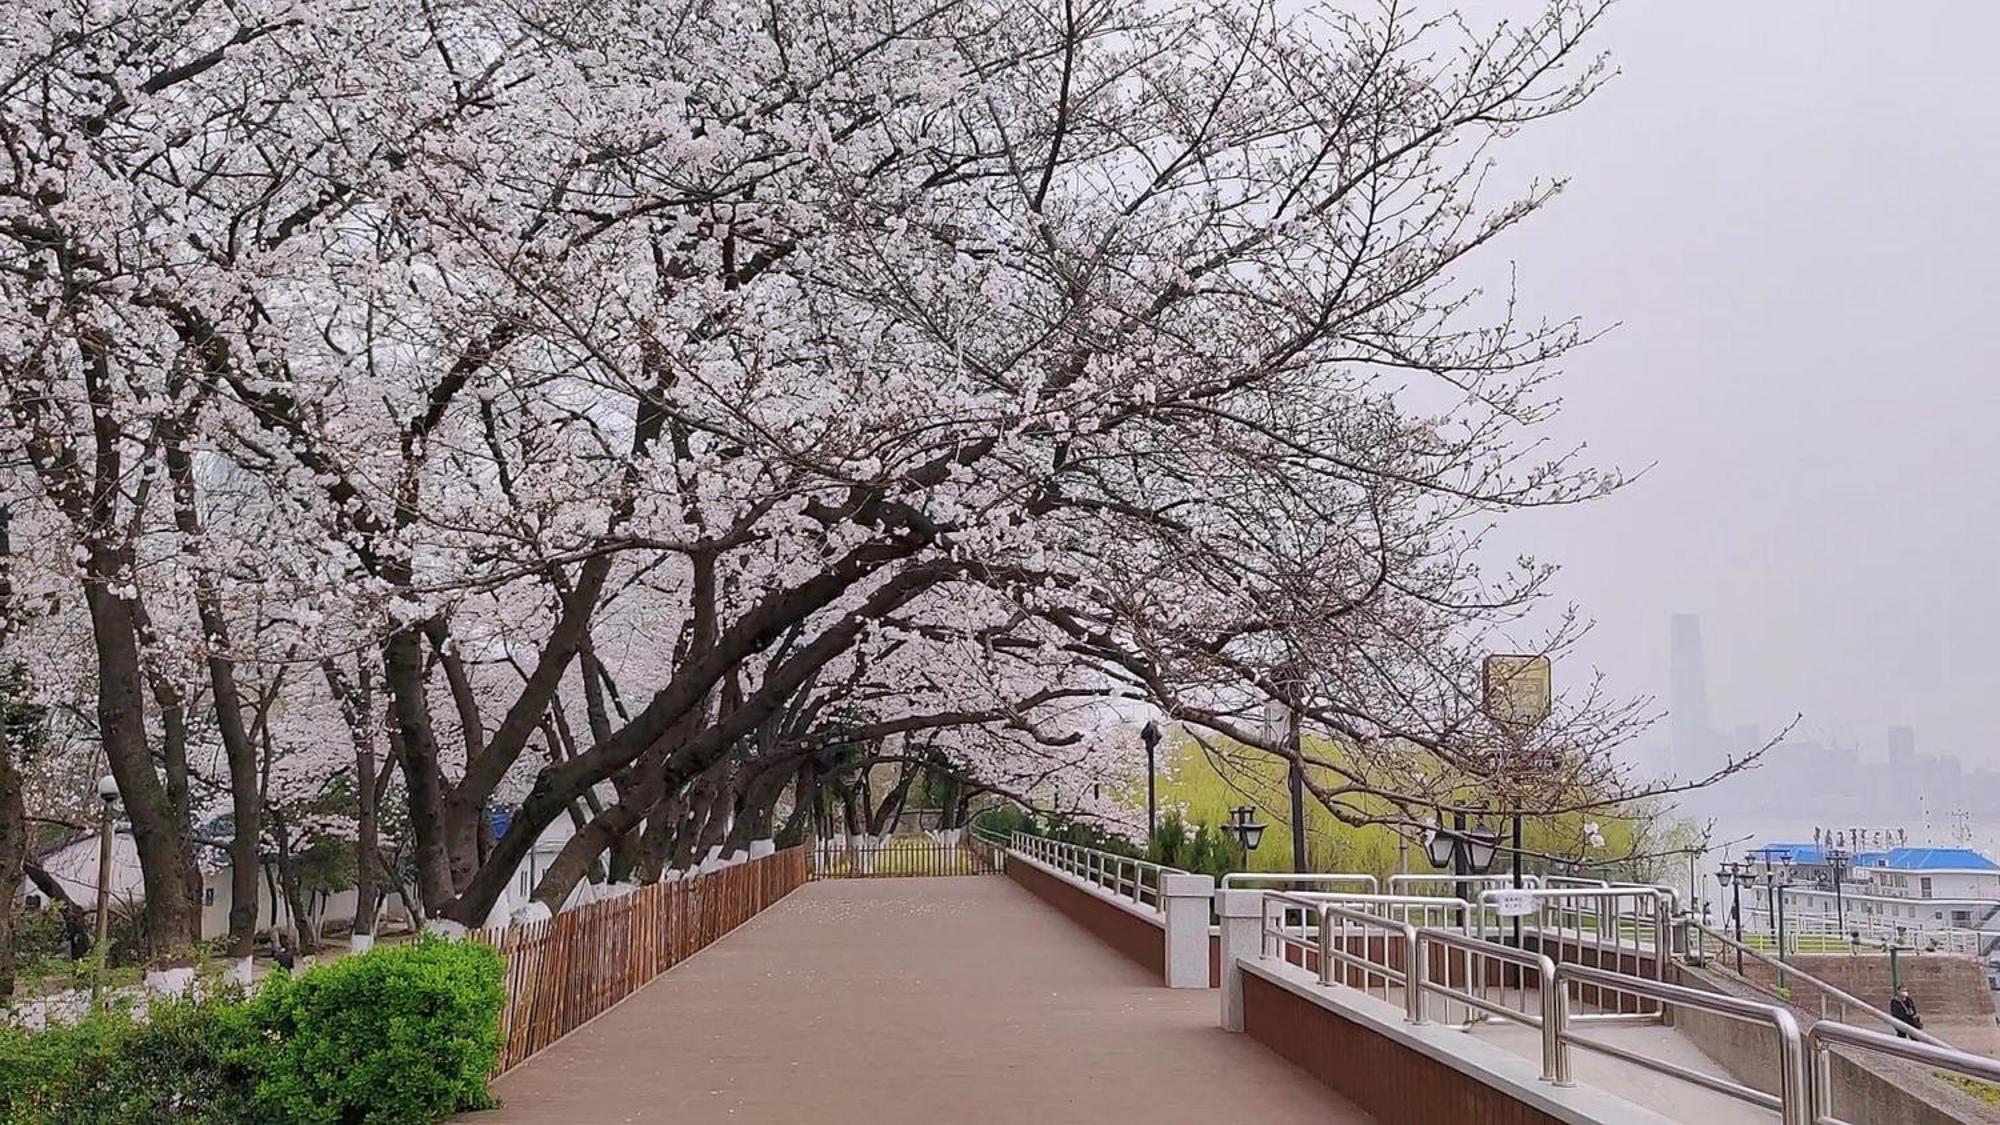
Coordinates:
column 902, row 856
column 563, row 971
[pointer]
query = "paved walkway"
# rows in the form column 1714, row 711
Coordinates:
column 921, row 1001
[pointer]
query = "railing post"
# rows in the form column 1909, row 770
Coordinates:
column 1242, row 914
column 1185, row 901
column 1417, row 973
column 1555, row 1047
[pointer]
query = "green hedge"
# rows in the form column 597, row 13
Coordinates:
column 402, row 1035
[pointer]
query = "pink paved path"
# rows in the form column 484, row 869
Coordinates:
column 926, row 1001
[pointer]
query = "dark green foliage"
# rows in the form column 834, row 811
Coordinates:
column 402, row 1035
column 405, row 1034
column 188, row 1061
column 1206, row 852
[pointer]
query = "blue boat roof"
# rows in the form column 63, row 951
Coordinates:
column 1905, row 859
column 1940, row 859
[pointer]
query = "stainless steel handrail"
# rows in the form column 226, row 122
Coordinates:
column 1827, row 1033
column 1825, row 988
column 1099, row 868
column 1792, row 1099
column 1545, row 1020
column 1607, row 930
column 1235, row 879
column 1442, row 878
column 1456, row 911
column 1331, row 950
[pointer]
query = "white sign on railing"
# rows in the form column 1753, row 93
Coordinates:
column 1512, row 904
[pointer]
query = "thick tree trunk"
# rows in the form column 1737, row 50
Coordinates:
column 13, row 853
column 760, row 805
column 166, row 858
column 366, row 842
column 403, row 667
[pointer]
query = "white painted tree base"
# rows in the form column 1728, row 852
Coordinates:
column 761, row 848
column 241, row 971
column 360, row 943
column 446, row 928
column 530, row 914
column 174, row 981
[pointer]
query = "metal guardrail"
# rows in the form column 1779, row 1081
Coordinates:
column 1827, row 1034
column 1445, row 883
column 1851, row 1004
column 1235, row 879
column 1332, row 932
column 1123, row 876
column 1616, row 922
column 1792, row 1099
column 1358, row 934
column 1477, row 994
column 1419, row 910
column 1807, row 932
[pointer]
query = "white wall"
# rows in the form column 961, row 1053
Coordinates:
column 75, row 868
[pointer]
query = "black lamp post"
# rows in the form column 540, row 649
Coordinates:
column 1150, row 735
column 1467, row 851
column 1838, row 859
column 1244, row 828
column 1735, row 873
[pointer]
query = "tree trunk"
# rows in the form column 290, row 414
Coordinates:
column 13, row 853
column 288, row 881
column 166, row 857
column 403, row 667
column 365, row 843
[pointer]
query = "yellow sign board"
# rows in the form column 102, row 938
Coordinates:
column 1519, row 689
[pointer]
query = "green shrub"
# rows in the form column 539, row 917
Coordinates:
column 184, row 1062
column 404, row 1034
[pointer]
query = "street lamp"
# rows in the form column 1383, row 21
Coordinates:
column 107, row 793
column 1734, row 874
column 1838, row 858
column 1777, row 876
column 1150, row 735
column 1466, row 851
column 1245, row 830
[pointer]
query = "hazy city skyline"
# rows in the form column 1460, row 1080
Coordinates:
column 1781, row 212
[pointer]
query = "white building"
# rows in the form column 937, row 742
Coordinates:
column 1920, row 895
column 73, row 865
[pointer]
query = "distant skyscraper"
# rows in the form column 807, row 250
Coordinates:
column 1902, row 746
column 1687, row 695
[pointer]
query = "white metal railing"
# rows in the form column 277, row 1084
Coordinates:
column 1445, row 883
column 1812, row 932
column 1628, row 923
column 1235, row 880
column 1348, row 944
column 1369, row 943
column 1791, row 1100
column 1418, row 910
column 1850, row 1007
column 1475, row 955
column 1135, row 880
column 1827, row 1034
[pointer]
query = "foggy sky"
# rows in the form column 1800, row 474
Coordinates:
column 1789, row 210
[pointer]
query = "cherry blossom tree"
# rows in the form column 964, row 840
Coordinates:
column 672, row 420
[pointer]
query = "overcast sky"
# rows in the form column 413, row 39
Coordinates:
column 1789, row 210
